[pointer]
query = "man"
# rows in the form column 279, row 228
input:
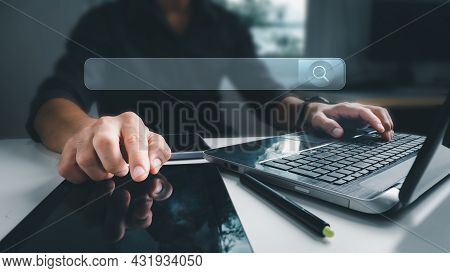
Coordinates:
column 119, row 142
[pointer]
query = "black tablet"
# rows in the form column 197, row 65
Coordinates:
column 185, row 208
column 186, row 146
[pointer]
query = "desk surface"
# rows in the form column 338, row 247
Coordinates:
column 29, row 174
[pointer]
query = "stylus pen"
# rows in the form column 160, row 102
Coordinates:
column 314, row 223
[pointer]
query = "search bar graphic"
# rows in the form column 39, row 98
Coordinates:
column 212, row 74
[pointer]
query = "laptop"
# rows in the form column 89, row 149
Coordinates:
column 361, row 172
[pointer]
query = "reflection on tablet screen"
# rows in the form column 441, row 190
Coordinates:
column 185, row 208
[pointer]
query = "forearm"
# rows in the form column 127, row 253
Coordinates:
column 59, row 119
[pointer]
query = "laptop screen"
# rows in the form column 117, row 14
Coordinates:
column 433, row 161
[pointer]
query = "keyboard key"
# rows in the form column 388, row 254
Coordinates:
column 323, row 161
column 327, row 178
column 305, row 172
column 349, row 178
column 340, row 182
column 361, row 165
column 370, row 161
column 352, row 159
column 310, row 158
column 315, row 164
column 353, row 169
column 334, row 158
column 306, row 167
column 302, row 161
column 293, row 164
column 277, row 165
column 331, row 168
column 346, row 162
column 323, row 155
column 343, row 171
column 337, row 175
column 358, row 151
column 281, row 161
column 322, row 171
column 293, row 157
column 337, row 165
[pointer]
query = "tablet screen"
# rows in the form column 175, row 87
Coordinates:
column 185, row 208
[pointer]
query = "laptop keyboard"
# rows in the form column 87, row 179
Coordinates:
column 344, row 161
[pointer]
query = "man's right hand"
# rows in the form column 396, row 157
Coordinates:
column 111, row 146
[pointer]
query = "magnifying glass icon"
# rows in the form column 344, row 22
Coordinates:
column 319, row 72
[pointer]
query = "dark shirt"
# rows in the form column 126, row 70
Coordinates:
column 137, row 28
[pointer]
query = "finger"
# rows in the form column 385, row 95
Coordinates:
column 155, row 188
column 68, row 167
column 141, row 197
column 330, row 126
column 358, row 111
column 106, row 143
column 134, row 222
column 160, row 189
column 158, row 151
column 387, row 135
column 89, row 162
column 386, row 120
column 140, row 214
column 390, row 118
column 383, row 116
column 134, row 137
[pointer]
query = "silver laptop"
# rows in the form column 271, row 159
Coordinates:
column 361, row 172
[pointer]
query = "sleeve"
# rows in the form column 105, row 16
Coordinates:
column 67, row 80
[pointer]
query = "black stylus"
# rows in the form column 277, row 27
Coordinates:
column 313, row 222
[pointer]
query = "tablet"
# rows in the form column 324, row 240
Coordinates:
column 185, row 208
column 186, row 146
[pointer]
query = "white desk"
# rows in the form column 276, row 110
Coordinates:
column 29, row 174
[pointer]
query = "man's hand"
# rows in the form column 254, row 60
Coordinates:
column 325, row 117
column 111, row 146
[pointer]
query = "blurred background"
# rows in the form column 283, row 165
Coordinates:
column 397, row 51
